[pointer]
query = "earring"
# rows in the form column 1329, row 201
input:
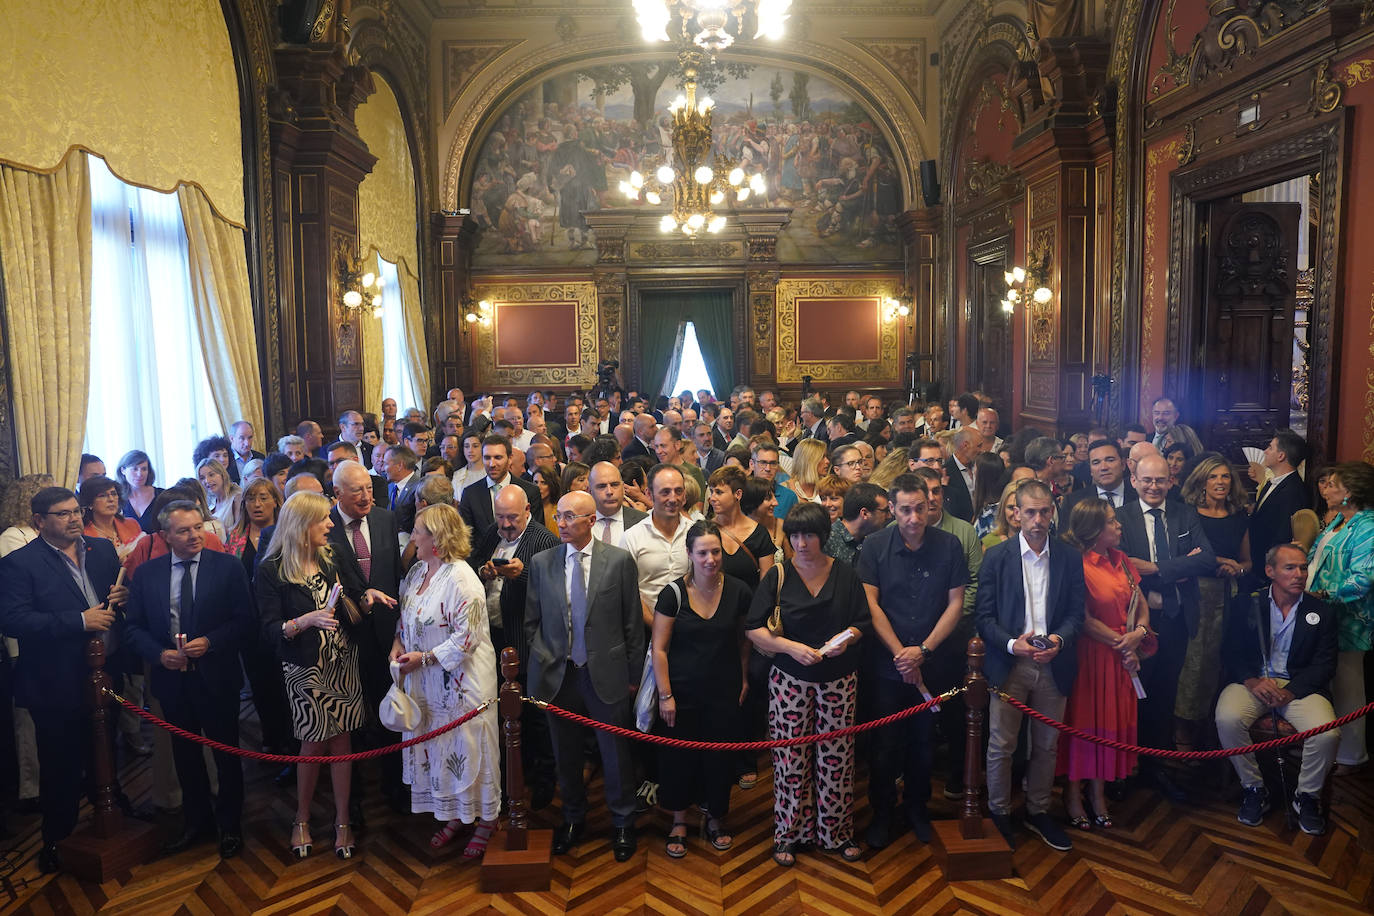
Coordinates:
column 1346, row 501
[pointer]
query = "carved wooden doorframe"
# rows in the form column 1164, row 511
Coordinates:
column 995, row 253
column 1317, row 149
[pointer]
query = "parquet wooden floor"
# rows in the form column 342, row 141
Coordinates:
column 1160, row 859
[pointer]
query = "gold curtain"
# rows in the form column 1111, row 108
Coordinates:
column 374, row 350
column 224, row 309
column 45, row 244
column 415, row 327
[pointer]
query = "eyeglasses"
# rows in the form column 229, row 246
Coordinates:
column 65, row 515
column 767, row 464
column 567, row 518
column 852, row 464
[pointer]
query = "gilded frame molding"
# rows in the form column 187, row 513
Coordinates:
column 489, row 375
column 886, row 368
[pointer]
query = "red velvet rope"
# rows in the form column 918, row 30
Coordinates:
column 637, row 735
column 1269, row 745
column 289, row 758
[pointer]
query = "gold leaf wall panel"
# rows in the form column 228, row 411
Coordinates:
column 793, row 293
column 490, row 375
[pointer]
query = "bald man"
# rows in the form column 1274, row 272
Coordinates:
column 1166, row 543
column 643, row 442
column 586, row 638
column 1140, row 451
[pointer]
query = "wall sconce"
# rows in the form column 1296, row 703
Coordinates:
column 362, row 289
column 899, row 306
column 477, row 313
column 1023, row 283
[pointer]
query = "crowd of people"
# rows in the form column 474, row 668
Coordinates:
column 783, row 569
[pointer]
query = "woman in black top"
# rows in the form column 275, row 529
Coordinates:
column 136, row 478
column 699, row 657
column 812, row 686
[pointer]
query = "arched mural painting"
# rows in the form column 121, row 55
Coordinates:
column 563, row 147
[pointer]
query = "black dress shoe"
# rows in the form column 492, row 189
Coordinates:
column 920, row 826
column 48, row 859
column 567, row 836
column 230, row 845
column 1169, row 789
column 623, row 843
column 192, row 836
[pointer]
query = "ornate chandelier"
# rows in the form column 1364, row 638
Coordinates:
column 707, row 23
column 699, row 183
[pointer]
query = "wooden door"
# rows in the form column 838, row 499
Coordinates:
column 1244, row 352
column 990, row 333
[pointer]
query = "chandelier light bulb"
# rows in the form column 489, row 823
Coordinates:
column 1043, row 294
column 703, row 174
column 756, row 183
column 666, row 174
column 376, row 302
column 1011, row 280
column 470, row 317
column 679, row 103
column 377, row 312
column 717, row 223
column 625, row 189
column 667, row 224
column 717, row 197
column 653, row 197
column 1013, row 295
column 737, row 176
column 772, row 14
column 706, row 104
column 485, row 320
column 696, row 221
column 1007, row 306
column 368, row 278
column 653, row 17
column 636, row 180
column 353, row 298
column 742, row 194
column 484, row 306
column 903, row 310
column 1018, row 274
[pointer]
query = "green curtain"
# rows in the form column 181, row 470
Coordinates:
column 663, row 311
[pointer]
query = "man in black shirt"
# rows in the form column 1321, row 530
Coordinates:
column 914, row 576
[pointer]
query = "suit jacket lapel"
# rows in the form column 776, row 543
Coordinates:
column 63, row 572
column 1018, row 586
column 1055, row 582
column 163, row 605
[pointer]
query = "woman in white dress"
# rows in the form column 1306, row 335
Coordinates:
column 443, row 642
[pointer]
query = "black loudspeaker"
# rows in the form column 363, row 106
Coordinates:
column 930, row 183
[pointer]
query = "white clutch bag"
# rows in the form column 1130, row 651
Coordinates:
column 398, row 711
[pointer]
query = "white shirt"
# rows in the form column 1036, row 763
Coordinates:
column 1146, row 509
column 1115, row 497
column 568, row 566
column 660, row 560
column 524, row 440
column 1035, row 582
column 495, row 486
column 465, row 477
column 504, row 551
column 1273, row 482
column 968, row 475
column 348, row 533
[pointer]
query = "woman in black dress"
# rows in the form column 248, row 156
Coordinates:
column 1220, row 501
column 699, row 658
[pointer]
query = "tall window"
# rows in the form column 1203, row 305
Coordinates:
column 398, row 375
column 148, row 389
column 690, row 374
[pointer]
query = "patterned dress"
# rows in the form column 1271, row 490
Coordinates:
column 326, row 699
column 456, row 776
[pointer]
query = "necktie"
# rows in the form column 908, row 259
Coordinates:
column 181, row 619
column 355, row 533
column 606, row 530
column 577, row 604
column 1161, row 536
column 1109, row 497
column 391, row 494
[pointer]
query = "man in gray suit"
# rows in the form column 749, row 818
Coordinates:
column 586, row 639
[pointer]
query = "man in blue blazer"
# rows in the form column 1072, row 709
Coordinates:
column 1049, row 573
column 203, row 595
column 1279, row 497
column 1169, row 572
column 61, row 592
column 1279, row 656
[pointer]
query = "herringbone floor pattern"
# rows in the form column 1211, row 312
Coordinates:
column 1159, row 859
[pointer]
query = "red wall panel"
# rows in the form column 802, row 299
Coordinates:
column 536, row 334
column 838, row 330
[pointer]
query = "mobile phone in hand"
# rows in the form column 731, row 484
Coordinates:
column 1040, row 643
column 499, row 561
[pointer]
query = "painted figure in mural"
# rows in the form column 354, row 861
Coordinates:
column 1056, row 18
column 575, row 170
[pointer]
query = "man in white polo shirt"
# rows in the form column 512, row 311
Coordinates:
column 659, row 543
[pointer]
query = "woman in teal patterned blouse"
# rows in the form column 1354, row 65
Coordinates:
column 1340, row 570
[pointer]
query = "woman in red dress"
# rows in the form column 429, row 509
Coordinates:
column 1103, row 701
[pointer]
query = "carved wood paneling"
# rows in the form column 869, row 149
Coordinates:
column 582, row 293
column 887, row 367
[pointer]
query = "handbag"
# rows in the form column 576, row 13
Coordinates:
column 1150, row 644
column 646, row 700
column 399, row 712
column 774, row 624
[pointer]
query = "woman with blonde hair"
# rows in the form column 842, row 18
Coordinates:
column 809, row 465
column 225, row 496
column 443, row 642
column 1007, row 525
column 888, row 470
column 1220, row 501
column 301, row 614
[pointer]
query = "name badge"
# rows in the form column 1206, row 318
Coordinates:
column 1313, row 618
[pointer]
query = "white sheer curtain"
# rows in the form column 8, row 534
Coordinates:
column 149, row 388
column 688, row 368
column 398, row 363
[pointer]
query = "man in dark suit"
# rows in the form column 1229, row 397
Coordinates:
column 477, row 500
column 1284, row 493
column 367, row 550
column 843, row 431
column 591, row 667
column 1050, row 573
column 641, row 446
column 811, row 417
column 501, row 559
column 61, row 593
column 1107, row 471
column 403, row 479
column 968, row 442
column 1279, row 655
column 241, row 439
column 709, row 458
column 204, row 595
column 1166, row 543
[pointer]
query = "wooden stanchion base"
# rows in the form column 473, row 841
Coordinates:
column 100, row 859
column 508, row 870
column 984, row 859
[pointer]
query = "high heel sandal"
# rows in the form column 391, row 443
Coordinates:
column 712, row 833
column 676, row 847
column 301, row 841
column 343, row 841
column 481, row 836
column 445, row 834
